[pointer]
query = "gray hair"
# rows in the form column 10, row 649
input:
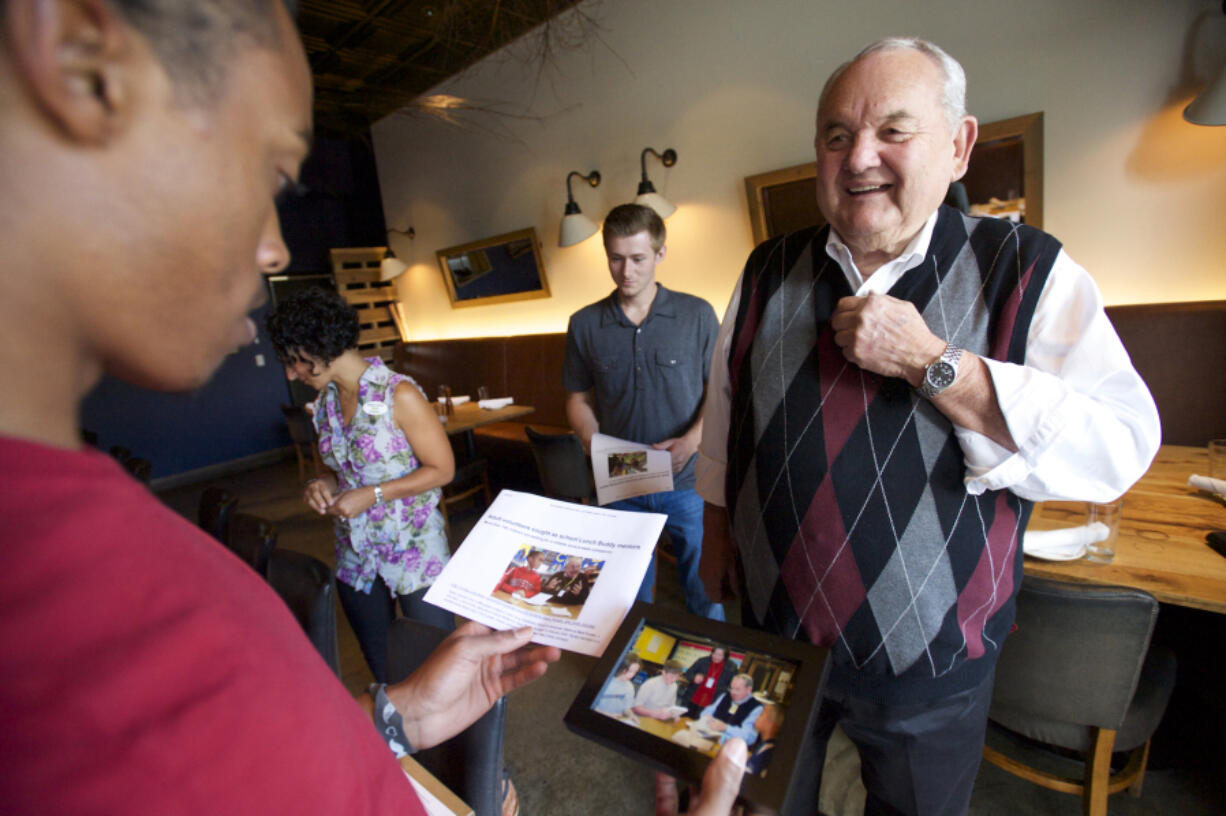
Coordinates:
column 953, row 92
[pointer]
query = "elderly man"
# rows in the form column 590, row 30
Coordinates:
column 734, row 712
column 569, row 585
column 888, row 397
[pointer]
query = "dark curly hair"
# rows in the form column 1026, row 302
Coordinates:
column 314, row 320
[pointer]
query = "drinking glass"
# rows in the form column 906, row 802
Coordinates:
column 1217, row 458
column 1107, row 513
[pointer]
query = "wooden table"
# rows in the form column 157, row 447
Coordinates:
column 469, row 415
column 667, row 729
column 1161, row 547
column 548, row 609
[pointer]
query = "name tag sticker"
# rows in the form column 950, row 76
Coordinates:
column 375, row 408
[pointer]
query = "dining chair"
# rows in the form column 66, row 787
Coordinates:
column 308, row 588
column 213, row 514
column 470, row 478
column 302, row 433
column 562, row 466
column 252, row 539
column 1079, row 673
column 470, row 763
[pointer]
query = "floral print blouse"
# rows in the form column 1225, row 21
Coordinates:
column 403, row 541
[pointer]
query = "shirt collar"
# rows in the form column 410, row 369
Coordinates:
column 887, row 275
column 662, row 306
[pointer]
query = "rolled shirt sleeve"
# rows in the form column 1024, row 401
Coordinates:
column 1084, row 422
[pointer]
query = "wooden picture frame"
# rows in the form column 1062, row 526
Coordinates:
column 500, row 269
column 1008, row 156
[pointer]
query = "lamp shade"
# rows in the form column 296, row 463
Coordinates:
column 576, row 227
column 1209, row 106
column 391, row 267
column 663, row 207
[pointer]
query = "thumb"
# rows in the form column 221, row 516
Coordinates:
column 722, row 781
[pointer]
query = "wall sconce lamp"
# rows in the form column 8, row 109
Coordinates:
column 576, row 226
column 391, row 266
column 648, row 196
column 1209, row 106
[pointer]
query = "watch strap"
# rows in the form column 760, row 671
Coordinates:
column 946, row 365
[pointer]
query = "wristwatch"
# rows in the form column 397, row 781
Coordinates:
column 378, row 494
column 941, row 372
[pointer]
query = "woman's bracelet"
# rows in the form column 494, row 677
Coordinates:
column 389, row 722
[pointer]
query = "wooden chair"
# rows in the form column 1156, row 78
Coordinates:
column 1079, row 673
column 470, row 479
column 306, row 442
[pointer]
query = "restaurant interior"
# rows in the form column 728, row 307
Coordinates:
column 466, row 154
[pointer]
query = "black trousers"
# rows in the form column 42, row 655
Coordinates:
column 371, row 613
column 918, row 760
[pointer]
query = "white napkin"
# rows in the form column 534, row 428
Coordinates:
column 1217, row 486
column 1064, row 544
column 495, row 404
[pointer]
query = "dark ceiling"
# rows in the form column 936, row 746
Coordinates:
column 373, row 57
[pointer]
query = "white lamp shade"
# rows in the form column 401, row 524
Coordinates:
column 1209, row 106
column 663, row 207
column 576, row 227
column 391, row 267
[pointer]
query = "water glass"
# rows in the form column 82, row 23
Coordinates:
column 483, row 393
column 1107, row 513
column 1217, row 458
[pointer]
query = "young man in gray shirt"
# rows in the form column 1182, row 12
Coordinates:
column 636, row 368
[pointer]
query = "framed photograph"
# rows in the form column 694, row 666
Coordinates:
column 671, row 688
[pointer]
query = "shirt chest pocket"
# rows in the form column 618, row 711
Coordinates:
column 669, row 362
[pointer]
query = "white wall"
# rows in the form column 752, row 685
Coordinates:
column 1136, row 194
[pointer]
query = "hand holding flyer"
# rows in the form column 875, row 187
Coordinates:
column 570, row 571
column 623, row 469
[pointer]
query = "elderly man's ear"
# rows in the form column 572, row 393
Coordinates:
column 76, row 61
column 965, row 136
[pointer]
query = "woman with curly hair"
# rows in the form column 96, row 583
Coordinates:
column 388, row 459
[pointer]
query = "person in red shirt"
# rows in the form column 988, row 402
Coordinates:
column 523, row 579
column 708, row 677
column 146, row 669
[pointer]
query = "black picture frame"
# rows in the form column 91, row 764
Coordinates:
column 772, row 792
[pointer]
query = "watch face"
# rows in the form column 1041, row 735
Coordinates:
column 940, row 375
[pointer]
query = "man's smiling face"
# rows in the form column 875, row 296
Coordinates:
column 885, row 151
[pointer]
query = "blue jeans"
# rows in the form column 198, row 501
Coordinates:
column 684, row 528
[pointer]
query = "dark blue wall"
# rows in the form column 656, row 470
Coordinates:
column 238, row 412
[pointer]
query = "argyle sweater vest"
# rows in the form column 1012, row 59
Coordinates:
column 846, row 489
column 724, row 713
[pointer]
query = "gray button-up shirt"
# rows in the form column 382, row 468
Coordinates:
column 648, row 380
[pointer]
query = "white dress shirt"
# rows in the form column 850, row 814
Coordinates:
column 1084, row 423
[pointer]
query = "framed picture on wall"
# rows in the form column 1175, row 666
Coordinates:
column 494, row 270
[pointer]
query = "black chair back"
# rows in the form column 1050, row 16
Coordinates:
column 561, row 465
column 216, row 507
column 306, row 585
column 470, row 763
column 252, row 539
column 1075, row 657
